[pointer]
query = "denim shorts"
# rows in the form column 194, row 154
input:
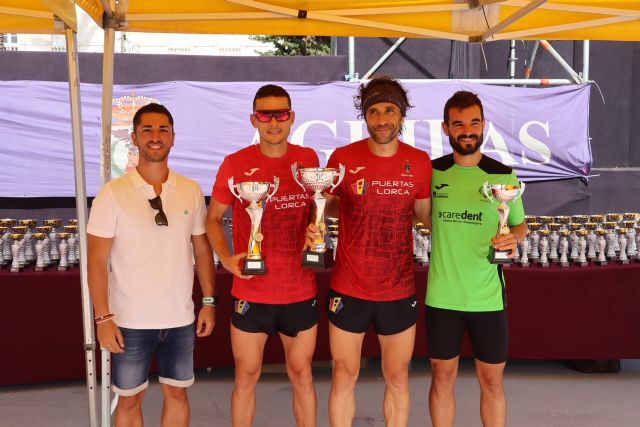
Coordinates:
column 173, row 348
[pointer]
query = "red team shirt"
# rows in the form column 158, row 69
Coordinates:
column 375, row 247
column 284, row 221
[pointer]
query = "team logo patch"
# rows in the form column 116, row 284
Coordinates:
column 335, row 304
column 241, row 306
column 407, row 166
column 360, row 187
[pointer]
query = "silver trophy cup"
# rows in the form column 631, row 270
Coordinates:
column 256, row 193
column 503, row 194
column 317, row 180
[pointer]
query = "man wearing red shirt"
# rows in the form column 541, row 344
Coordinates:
column 386, row 183
column 284, row 299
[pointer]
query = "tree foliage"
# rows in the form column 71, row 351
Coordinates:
column 296, row 45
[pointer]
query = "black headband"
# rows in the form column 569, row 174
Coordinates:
column 385, row 93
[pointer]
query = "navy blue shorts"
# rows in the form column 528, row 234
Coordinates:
column 173, row 348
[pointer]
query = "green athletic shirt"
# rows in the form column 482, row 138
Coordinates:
column 464, row 222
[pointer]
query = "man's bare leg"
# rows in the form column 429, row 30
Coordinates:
column 442, row 401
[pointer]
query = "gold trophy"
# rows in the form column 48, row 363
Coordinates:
column 256, row 193
column 5, row 255
column 504, row 194
column 16, row 266
column 317, row 180
column 63, row 265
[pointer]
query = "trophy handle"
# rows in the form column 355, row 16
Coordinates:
column 275, row 185
column 341, row 172
column 232, row 187
column 485, row 191
column 294, row 170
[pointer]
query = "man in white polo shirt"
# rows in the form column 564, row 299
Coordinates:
column 143, row 224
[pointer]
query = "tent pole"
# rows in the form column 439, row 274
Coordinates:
column 81, row 207
column 383, row 58
column 352, row 76
column 547, row 46
column 585, row 60
column 107, row 96
column 512, row 60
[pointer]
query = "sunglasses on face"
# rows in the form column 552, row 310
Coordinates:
column 161, row 218
column 265, row 116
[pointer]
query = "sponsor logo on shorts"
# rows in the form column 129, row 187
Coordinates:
column 313, row 304
column 335, row 304
column 241, row 306
column 413, row 304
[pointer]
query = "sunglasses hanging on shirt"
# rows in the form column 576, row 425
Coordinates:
column 161, row 218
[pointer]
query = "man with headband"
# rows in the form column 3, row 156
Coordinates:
column 386, row 183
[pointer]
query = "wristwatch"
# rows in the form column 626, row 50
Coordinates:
column 210, row 301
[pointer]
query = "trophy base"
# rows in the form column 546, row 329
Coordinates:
column 582, row 264
column 543, row 264
column 613, row 258
column 601, row 263
column 499, row 257
column 63, row 268
column 623, row 261
column 39, row 268
column 313, row 259
column 254, row 267
column 16, row 270
column 565, row 264
column 524, row 264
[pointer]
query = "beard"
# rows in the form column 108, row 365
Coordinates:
column 383, row 139
column 467, row 149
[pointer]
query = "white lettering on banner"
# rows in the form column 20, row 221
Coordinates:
column 535, row 144
column 256, row 138
column 409, row 136
column 355, row 129
column 500, row 146
column 435, row 132
column 298, row 134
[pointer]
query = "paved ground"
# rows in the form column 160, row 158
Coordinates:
column 540, row 394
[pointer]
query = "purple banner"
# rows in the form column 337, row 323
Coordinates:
column 542, row 133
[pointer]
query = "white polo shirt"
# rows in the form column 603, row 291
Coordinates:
column 151, row 277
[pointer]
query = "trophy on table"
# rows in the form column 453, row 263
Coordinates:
column 622, row 244
column 16, row 266
column 573, row 240
column 612, row 240
column 53, row 238
column 72, row 243
column 502, row 193
column 630, row 224
column 525, row 247
column 564, row 248
column 257, row 194
column 333, row 234
column 3, row 230
column 317, row 180
column 5, row 256
column 63, row 264
column 602, row 246
column 77, row 245
column 534, row 239
column 29, row 255
column 425, row 236
column 592, row 240
column 543, row 261
column 21, row 229
column 614, row 218
column 46, row 244
column 637, row 230
column 40, row 264
column 582, row 248
column 554, row 239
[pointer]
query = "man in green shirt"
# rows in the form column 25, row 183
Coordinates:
column 465, row 290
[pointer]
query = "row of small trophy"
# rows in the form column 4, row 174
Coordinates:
column 421, row 243
column 581, row 240
column 52, row 248
column 257, row 193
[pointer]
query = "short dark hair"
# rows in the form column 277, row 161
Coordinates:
column 151, row 108
column 271, row 90
column 461, row 100
column 381, row 89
